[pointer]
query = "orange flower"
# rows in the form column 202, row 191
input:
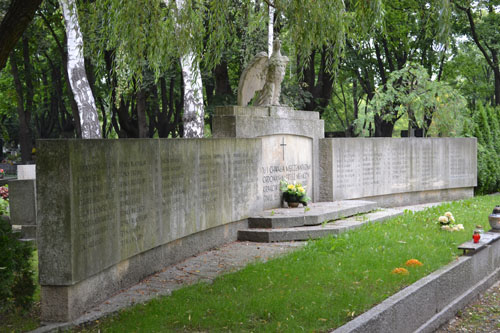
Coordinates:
column 400, row 270
column 413, row 263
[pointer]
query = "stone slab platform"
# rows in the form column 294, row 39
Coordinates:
column 311, row 232
column 486, row 239
column 314, row 214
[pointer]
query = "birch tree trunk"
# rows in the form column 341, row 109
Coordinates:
column 77, row 75
column 194, row 112
column 270, row 32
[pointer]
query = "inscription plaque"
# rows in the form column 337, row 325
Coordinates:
column 363, row 167
column 284, row 157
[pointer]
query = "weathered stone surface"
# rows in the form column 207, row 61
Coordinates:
column 22, row 202
column 315, row 214
column 370, row 168
column 28, row 232
column 263, row 234
column 300, row 130
column 117, row 199
column 263, row 77
column 285, row 157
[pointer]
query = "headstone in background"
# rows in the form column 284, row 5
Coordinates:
column 22, row 203
column 9, row 168
column 27, row 171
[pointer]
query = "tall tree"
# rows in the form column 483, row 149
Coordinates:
column 76, row 69
column 411, row 31
column 484, row 23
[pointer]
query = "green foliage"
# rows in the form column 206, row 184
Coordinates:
column 17, row 284
column 486, row 129
column 317, row 288
column 411, row 92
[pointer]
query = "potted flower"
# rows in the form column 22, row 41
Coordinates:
column 294, row 194
column 2, row 173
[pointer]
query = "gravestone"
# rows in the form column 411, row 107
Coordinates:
column 27, row 171
column 22, row 202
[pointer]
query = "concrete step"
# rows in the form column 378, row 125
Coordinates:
column 266, row 235
column 314, row 214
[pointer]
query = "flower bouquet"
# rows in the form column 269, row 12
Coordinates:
column 447, row 222
column 294, row 194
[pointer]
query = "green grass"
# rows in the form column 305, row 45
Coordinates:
column 317, row 288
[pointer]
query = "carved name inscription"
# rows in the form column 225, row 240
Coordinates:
column 92, row 209
column 370, row 167
column 134, row 215
column 284, row 157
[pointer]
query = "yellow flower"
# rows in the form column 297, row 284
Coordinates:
column 33, row 150
column 301, row 190
column 400, row 270
column 291, row 187
column 413, row 263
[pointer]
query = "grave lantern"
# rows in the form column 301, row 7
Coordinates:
column 494, row 219
column 476, row 236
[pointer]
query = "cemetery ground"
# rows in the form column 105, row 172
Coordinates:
column 316, row 288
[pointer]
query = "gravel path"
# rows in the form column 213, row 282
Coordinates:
column 482, row 315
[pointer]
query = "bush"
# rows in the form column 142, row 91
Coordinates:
column 487, row 130
column 17, row 284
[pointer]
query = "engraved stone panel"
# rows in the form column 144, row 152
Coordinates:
column 364, row 167
column 285, row 157
column 104, row 201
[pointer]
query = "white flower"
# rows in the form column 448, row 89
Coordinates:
column 448, row 215
column 443, row 219
column 460, row 226
column 446, row 227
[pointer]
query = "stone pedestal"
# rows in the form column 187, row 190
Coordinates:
column 290, row 144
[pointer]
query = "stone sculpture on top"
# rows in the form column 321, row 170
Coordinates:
column 261, row 79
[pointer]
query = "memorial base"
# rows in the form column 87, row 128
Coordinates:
column 66, row 303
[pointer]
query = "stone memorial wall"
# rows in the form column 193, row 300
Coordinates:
column 103, row 202
column 372, row 167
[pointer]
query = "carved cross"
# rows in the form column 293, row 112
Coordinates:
column 283, row 144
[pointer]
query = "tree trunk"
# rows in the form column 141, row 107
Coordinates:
column 64, row 59
column 76, row 70
column 194, row 112
column 24, row 126
column 270, row 31
column 222, row 85
column 141, row 114
column 383, row 128
column 496, row 74
column 15, row 21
